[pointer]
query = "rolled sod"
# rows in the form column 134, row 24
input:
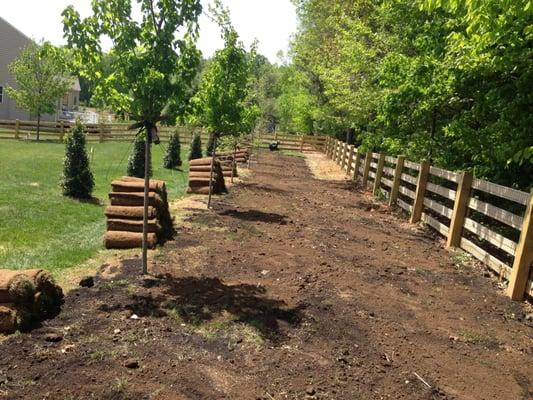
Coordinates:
column 8, row 318
column 134, row 186
column 134, row 199
column 127, row 240
column 123, row 212
column 129, row 225
column 15, row 287
column 206, row 175
column 200, row 168
column 201, row 161
column 159, row 183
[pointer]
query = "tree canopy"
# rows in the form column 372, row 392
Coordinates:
column 446, row 80
column 222, row 104
column 42, row 77
column 149, row 70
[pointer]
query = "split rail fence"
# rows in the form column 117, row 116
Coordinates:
column 116, row 132
column 492, row 222
column 295, row 142
column 56, row 131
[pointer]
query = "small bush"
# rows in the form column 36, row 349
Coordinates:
column 211, row 145
column 173, row 157
column 196, row 147
column 136, row 159
column 78, row 180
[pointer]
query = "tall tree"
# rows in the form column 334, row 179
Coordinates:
column 222, row 104
column 153, row 62
column 446, row 80
column 42, row 77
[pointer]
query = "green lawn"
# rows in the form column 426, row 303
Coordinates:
column 41, row 228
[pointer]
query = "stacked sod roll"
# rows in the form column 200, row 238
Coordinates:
column 27, row 297
column 125, row 214
column 241, row 156
column 200, row 176
column 227, row 167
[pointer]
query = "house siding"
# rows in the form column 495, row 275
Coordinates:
column 12, row 41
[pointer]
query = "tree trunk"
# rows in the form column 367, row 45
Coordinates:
column 212, row 169
column 433, row 131
column 145, row 243
column 233, row 163
column 350, row 135
column 38, row 124
column 251, row 151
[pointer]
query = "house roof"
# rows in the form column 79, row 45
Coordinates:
column 13, row 27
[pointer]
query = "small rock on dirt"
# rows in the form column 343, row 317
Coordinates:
column 131, row 364
column 87, row 281
column 53, row 337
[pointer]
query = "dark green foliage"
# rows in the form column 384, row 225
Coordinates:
column 196, row 147
column 78, row 180
column 211, row 145
column 136, row 159
column 449, row 81
column 173, row 157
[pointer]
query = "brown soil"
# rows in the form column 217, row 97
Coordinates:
column 291, row 288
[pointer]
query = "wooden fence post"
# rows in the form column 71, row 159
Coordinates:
column 343, row 158
column 337, row 151
column 357, row 162
column 302, row 143
column 379, row 173
column 421, row 184
column 350, row 159
column 460, row 207
column 17, row 128
column 61, row 131
column 396, row 181
column 523, row 256
column 366, row 171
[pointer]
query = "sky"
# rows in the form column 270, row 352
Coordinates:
column 270, row 21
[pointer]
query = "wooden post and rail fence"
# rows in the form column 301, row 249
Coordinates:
column 116, row 132
column 493, row 223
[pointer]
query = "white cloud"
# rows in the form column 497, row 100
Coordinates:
column 270, row 21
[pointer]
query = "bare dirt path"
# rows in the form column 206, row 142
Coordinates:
column 291, row 288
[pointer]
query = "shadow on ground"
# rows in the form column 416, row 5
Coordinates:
column 256, row 216
column 200, row 300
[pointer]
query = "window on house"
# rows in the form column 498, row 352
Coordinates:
column 1, row 94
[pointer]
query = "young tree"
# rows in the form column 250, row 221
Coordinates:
column 137, row 158
column 153, row 61
column 222, row 102
column 78, row 180
column 173, row 156
column 42, row 78
column 195, row 150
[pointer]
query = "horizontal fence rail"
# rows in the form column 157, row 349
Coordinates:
column 494, row 223
column 18, row 129
column 294, row 142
